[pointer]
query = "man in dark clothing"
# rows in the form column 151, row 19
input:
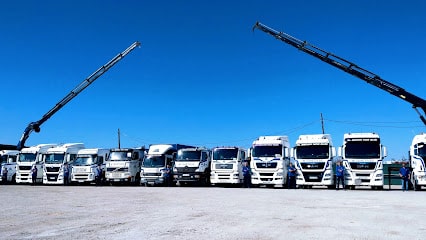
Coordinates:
column 66, row 174
column 291, row 184
column 340, row 175
column 167, row 177
column 404, row 173
column 246, row 175
column 98, row 175
column 34, row 171
column 4, row 175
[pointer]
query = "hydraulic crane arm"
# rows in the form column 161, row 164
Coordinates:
column 348, row 67
column 35, row 126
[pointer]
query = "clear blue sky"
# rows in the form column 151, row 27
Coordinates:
column 202, row 76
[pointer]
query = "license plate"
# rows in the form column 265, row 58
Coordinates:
column 52, row 178
column 313, row 177
column 185, row 175
column 116, row 175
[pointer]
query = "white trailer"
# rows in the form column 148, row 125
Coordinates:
column 158, row 157
column 124, row 165
column 362, row 155
column 85, row 165
column 417, row 161
column 29, row 158
column 54, row 160
column 192, row 165
column 270, row 157
column 8, row 163
column 226, row 166
column 313, row 156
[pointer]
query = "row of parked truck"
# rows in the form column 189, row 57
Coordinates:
column 314, row 157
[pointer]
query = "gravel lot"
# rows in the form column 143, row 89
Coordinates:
column 120, row 212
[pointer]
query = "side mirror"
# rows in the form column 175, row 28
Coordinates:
column 333, row 152
column 385, row 152
column 340, row 152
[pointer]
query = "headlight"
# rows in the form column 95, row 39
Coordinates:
column 379, row 175
column 279, row 174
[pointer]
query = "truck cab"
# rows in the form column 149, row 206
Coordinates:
column 362, row 155
column 313, row 156
column 192, row 165
column 8, row 163
column 417, row 161
column 270, row 157
column 86, row 163
column 124, row 165
column 158, row 157
column 226, row 166
column 55, row 159
column 28, row 158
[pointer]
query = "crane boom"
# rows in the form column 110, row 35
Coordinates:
column 35, row 126
column 348, row 67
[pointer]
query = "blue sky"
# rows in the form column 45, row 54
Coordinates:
column 202, row 76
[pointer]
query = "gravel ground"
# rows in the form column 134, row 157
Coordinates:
column 120, row 212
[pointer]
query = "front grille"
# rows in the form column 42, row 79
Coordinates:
column 25, row 168
column 266, row 174
column 312, row 165
column 266, row 164
column 363, row 166
column 52, row 177
column 152, row 174
column 52, row 169
column 224, row 166
column 186, row 169
column 312, row 177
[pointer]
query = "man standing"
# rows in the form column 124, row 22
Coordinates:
column 291, row 176
column 246, row 175
column 404, row 173
column 4, row 175
column 340, row 175
column 98, row 175
column 167, row 175
column 66, row 174
column 34, row 171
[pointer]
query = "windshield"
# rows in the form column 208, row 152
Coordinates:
column 85, row 160
column 312, row 152
column 421, row 150
column 154, row 161
column 3, row 159
column 188, row 156
column 267, row 151
column 27, row 157
column 362, row 150
column 225, row 154
column 118, row 156
column 54, row 158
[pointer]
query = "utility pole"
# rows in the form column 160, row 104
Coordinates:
column 322, row 124
column 119, row 144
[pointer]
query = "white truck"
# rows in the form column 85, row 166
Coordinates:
column 362, row 155
column 269, row 160
column 417, row 161
column 158, row 157
column 227, row 164
column 28, row 158
column 8, row 162
column 55, row 159
column 313, row 156
column 124, row 165
column 192, row 165
column 85, row 165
